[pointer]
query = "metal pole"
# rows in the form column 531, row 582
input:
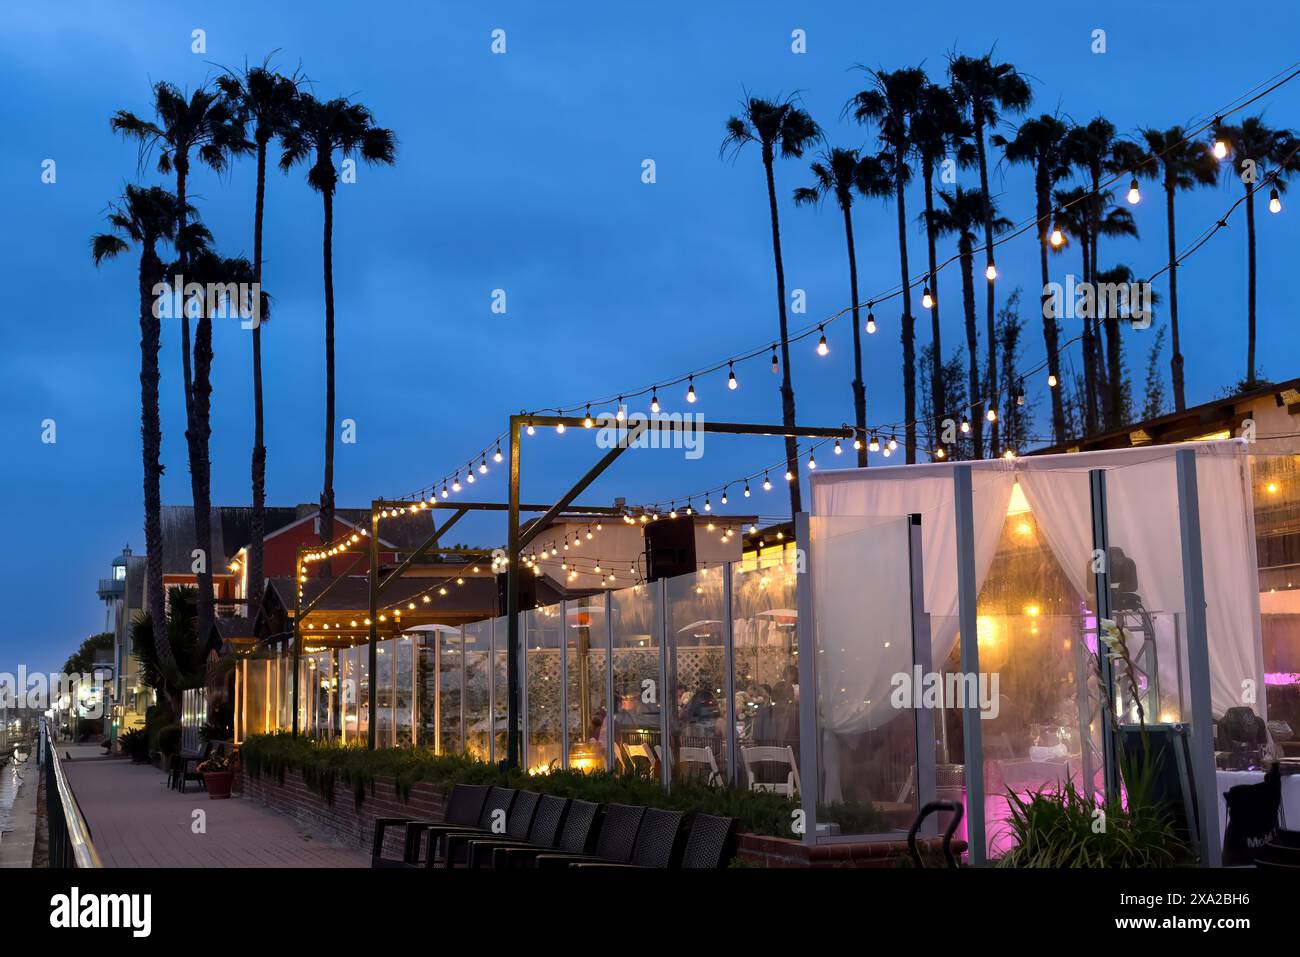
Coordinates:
column 564, row 684
column 809, row 732
column 297, row 638
column 667, row 693
column 373, row 632
column 1101, row 586
column 608, row 726
column 967, row 595
column 512, row 603
column 729, row 670
column 1198, row 660
column 923, row 658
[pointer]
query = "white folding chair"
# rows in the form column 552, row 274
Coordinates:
column 772, row 755
column 704, row 755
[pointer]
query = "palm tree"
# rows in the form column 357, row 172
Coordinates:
column 985, row 90
column 891, row 102
column 1040, row 143
column 319, row 130
column 1274, row 156
column 266, row 99
column 1180, row 164
column 146, row 217
column 776, row 125
column 937, row 129
column 203, row 125
column 963, row 213
column 840, row 173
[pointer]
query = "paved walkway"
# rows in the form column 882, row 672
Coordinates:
column 136, row 821
column 19, row 783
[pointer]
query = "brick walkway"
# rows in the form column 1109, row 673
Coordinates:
column 135, row 821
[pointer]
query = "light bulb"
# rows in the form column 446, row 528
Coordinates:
column 767, row 483
column 531, row 430
column 822, row 347
column 871, row 323
column 874, row 444
column 1057, row 238
column 927, row 300
column 746, row 489
column 1051, row 380
column 482, row 466
column 965, row 425
column 812, row 461
column 731, row 377
column 469, row 476
column 620, row 413
column 992, row 415
column 559, row 428
column 893, row 442
column 496, row 456
column 455, row 485
column 708, row 506
column 444, row 488
column 991, row 272
column 1134, row 194
column 776, row 366
column 586, row 422
column 837, row 449
column 886, row 451
column 1274, row 201
column 724, row 496
column 690, row 390
column 654, row 401
column 939, row 452
column 1220, row 147
column 789, row 476
column 1008, row 454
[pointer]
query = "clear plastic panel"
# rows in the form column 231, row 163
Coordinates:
column 449, row 664
column 696, row 685
column 862, row 620
column 384, row 694
column 638, row 684
column 587, row 650
column 477, row 638
column 500, row 696
column 542, row 629
column 1275, row 485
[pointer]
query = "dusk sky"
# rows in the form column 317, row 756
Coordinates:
column 523, row 171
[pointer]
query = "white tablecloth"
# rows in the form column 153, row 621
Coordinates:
column 1290, row 817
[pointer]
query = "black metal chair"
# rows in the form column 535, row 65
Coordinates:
column 518, row 825
column 464, row 807
column 931, row 807
column 658, row 844
column 1280, row 854
column 495, row 809
column 184, row 767
column 578, row 836
column 711, row 844
column 617, row 840
column 542, row 836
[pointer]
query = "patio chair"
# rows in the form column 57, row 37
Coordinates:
column 711, row 844
column 631, row 752
column 464, row 806
column 542, row 836
column 775, row 755
column 658, row 843
column 701, row 756
column 496, row 807
column 519, row 825
column 184, row 767
column 576, row 837
column 952, row 807
column 617, row 840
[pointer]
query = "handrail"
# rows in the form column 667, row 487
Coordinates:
column 70, row 841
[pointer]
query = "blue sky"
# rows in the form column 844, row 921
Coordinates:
column 522, row 172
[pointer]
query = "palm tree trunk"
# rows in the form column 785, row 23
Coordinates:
column 1051, row 332
column 182, row 256
column 859, row 387
column 257, row 524
column 937, row 397
column 327, row 492
column 1089, row 351
column 989, row 299
column 1105, row 401
column 1114, row 371
column 908, row 330
column 787, row 389
column 1250, row 284
column 1176, row 360
column 201, row 470
column 151, row 442
column 972, row 340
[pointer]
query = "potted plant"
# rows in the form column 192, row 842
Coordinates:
column 218, row 774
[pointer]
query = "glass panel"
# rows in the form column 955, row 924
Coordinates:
column 766, row 660
column 384, row 695
column 500, row 698
column 1275, row 482
column 478, row 719
column 542, row 641
column 349, row 696
column 403, row 691
column 696, row 677
column 637, row 681
column 587, row 649
column 863, row 636
column 448, row 644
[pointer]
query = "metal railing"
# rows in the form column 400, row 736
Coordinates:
column 70, row 843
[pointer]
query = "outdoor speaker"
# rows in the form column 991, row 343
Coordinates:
column 669, row 548
column 1123, row 581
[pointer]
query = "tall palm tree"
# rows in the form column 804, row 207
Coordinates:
column 319, row 130
column 1274, row 155
column 891, row 102
column 776, row 125
column 1040, row 144
column 938, row 129
column 202, row 125
column 841, row 173
column 146, row 217
column 1179, row 164
column 963, row 214
column 986, row 90
column 266, row 100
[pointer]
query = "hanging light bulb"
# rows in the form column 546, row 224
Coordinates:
column 776, row 366
column 789, row 476
column 1008, row 454
column 837, row 449
column 482, row 465
column 654, row 401
column 455, row 485
column 857, row 443
column 690, row 510
column 893, row 442
column 731, row 377
column 1220, row 147
column 724, row 496
column 672, row 511
column 965, row 425
column 887, row 451
column 1274, row 201
column 927, row 300
column 708, row 506
column 871, row 323
column 767, row 483
column 1057, row 238
column 874, row 444
column 822, row 347
column 991, row 272
column 1134, row 194
column 1020, row 392
column 587, row 422
column 469, row 472
column 690, row 390
column 992, row 414
column 620, row 413
column 1051, row 380
column 812, row 461
column 559, row 428
column 496, row 456
column 753, row 528
column 939, row 452
column 444, row 488
column 531, row 430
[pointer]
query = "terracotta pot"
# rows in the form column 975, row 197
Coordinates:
column 218, row 783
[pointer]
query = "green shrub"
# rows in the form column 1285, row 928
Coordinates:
column 169, row 740
column 135, row 743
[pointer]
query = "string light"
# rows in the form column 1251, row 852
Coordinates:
column 1051, row 380
column 776, row 366
column 746, row 488
column 1134, row 194
column 1274, row 201
column 871, row 322
column 531, row 430
column 838, row 450
column 724, row 496
column 874, row 444
column 732, row 384
column 939, row 452
column 654, row 401
column 586, row 421
column 708, row 506
column 559, row 428
column 812, row 461
column 789, row 475
column 767, row 483
column 620, row 412
column 927, row 300
column 1220, row 147
column 893, row 442
column 991, row 272
column 1057, row 238
column 992, row 415
column 965, row 425
column 690, row 390
column 469, row 472
column 455, row 485
column 482, row 466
